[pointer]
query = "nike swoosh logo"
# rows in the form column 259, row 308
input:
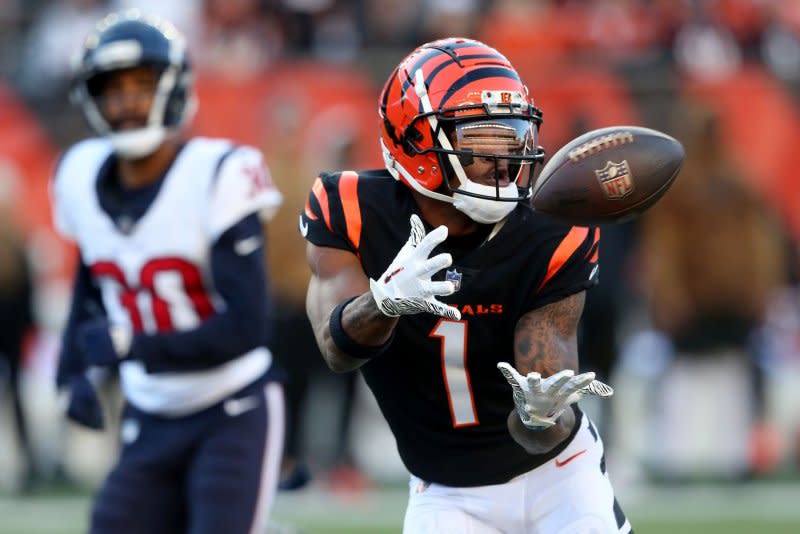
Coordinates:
column 303, row 227
column 593, row 274
column 234, row 407
column 245, row 246
column 567, row 460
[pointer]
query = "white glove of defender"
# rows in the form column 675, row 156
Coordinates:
column 406, row 287
column 540, row 402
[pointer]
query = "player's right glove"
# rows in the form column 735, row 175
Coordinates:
column 83, row 406
column 104, row 344
column 540, row 402
column 406, row 287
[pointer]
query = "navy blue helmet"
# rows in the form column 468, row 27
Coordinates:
column 131, row 39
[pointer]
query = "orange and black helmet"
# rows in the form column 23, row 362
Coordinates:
column 439, row 86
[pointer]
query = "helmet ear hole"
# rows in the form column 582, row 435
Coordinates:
column 410, row 137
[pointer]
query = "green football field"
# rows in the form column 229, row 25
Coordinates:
column 743, row 509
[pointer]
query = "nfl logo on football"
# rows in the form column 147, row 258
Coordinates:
column 455, row 277
column 615, row 179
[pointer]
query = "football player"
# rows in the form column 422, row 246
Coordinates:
column 170, row 291
column 432, row 275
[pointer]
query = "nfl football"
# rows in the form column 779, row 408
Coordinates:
column 607, row 176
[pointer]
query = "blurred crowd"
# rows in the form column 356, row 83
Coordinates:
column 701, row 293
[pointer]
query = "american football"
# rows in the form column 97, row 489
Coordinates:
column 609, row 175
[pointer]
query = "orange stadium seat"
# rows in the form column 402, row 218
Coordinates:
column 28, row 157
column 26, row 151
column 545, row 40
column 577, row 99
column 309, row 109
column 761, row 124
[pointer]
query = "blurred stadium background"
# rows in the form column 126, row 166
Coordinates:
column 696, row 322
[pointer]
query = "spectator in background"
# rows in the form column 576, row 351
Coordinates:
column 239, row 38
column 11, row 27
column 45, row 69
column 714, row 257
column 451, row 17
column 16, row 318
column 392, row 23
column 57, row 32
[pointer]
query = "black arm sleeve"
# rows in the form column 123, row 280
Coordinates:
column 86, row 304
column 240, row 327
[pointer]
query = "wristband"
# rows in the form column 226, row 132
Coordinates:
column 348, row 345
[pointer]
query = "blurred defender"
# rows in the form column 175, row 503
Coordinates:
column 430, row 317
column 170, row 290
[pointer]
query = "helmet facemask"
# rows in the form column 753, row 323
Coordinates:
column 487, row 151
column 143, row 43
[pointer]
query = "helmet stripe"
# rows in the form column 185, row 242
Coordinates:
column 407, row 83
column 474, row 76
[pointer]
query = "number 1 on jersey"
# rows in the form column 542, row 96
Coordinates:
column 453, row 335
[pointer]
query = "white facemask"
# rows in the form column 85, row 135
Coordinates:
column 134, row 144
column 482, row 210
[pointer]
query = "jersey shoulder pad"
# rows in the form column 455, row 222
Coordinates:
column 73, row 177
column 570, row 260
column 242, row 185
column 332, row 215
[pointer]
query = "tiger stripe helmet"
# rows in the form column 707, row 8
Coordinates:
column 437, row 85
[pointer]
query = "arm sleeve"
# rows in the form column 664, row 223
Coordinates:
column 86, row 304
column 241, row 326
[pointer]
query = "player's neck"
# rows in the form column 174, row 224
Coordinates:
column 136, row 173
column 436, row 212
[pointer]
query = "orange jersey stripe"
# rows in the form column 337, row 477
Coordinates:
column 595, row 249
column 564, row 251
column 307, row 209
column 322, row 197
column 595, row 256
column 348, row 192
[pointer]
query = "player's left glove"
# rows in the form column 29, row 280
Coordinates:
column 104, row 344
column 406, row 287
column 82, row 404
column 540, row 402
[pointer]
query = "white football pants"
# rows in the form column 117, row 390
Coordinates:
column 570, row 494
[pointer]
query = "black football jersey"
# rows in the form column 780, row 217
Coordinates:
column 437, row 384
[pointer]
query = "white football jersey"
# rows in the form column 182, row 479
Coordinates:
column 155, row 276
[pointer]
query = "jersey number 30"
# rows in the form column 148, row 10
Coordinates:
column 453, row 336
column 168, row 282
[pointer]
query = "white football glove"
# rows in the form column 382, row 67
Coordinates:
column 540, row 402
column 406, row 287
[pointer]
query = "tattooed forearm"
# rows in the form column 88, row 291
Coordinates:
column 545, row 340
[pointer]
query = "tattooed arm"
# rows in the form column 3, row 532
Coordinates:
column 336, row 276
column 546, row 341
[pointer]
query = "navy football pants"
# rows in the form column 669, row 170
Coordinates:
column 210, row 472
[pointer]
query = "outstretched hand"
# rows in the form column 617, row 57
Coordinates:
column 406, row 287
column 540, row 402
